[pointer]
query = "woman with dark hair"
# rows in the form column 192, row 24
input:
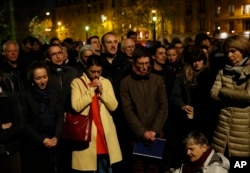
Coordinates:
column 202, row 158
column 190, row 99
column 97, row 99
column 43, row 115
column 11, row 125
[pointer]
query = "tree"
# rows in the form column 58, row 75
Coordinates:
column 4, row 25
column 41, row 28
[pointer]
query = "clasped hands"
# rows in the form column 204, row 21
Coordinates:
column 96, row 83
column 50, row 142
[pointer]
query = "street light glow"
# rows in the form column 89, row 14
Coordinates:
column 86, row 28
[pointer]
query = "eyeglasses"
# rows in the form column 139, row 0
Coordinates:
column 56, row 53
column 141, row 64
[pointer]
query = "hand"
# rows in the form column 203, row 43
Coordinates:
column 189, row 110
column 54, row 141
column 6, row 125
column 97, row 83
column 149, row 135
column 47, row 142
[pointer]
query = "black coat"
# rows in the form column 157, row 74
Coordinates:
column 30, row 109
column 10, row 112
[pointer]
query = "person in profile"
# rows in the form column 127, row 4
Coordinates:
column 202, row 158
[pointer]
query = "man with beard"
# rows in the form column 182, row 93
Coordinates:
column 145, row 106
column 116, row 67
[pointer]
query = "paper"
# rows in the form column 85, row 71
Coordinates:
column 155, row 150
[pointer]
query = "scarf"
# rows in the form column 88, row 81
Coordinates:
column 45, row 112
column 196, row 166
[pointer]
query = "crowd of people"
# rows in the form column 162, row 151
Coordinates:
column 192, row 93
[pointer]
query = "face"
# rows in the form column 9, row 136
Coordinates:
column 86, row 55
column 129, row 47
column 65, row 53
column 36, row 46
column 40, row 78
column 160, row 56
column 234, row 55
column 56, row 55
column 11, row 52
column 172, row 55
column 134, row 37
column 195, row 151
column 94, row 72
column 179, row 48
column 95, row 42
column 142, row 65
column 197, row 65
column 206, row 43
column 27, row 47
column 110, row 44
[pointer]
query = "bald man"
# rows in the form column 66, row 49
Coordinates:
column 128, row 47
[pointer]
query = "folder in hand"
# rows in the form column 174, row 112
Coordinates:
column 155, row 149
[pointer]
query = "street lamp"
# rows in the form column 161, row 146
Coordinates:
column 86, row 29
column 154, row 18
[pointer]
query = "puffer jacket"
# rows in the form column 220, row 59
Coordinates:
column 215, row 163
column 232, row 90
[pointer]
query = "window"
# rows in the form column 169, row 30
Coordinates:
column 218, row 10
column 246, row 9
column 231, row 10
column 188, row 25
column 202, row 24
column 202, row 5
column 188, row 7
column 231, row 26
column 246, row 24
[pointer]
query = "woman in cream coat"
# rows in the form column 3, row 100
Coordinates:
column 91, row 158
column 231, row 89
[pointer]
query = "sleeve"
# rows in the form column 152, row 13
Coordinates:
column 217, row 87
column 81, row 97
column 176, row 96
column 108, row 96
column 129, row 109
column 162, row 112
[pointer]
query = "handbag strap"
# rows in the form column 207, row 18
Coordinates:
column 84, row 82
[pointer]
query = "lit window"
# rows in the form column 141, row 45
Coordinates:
column 231, row 10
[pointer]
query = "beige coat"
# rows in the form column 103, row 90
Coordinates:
column 233, row 128
column 81, row 98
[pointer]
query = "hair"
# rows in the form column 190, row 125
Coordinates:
column 141, row 51
column 238, row 42
column 103, row 37
column 46, row 53
column 9, row 42
column 35, row 65
column 196, row 55
column 156, row 47
column 84, row 48
column 54, row 39
column 94, row 60
column 92, row 37
column 28, row 39
column 200, row 37
column 197, row 137
column 130, row 33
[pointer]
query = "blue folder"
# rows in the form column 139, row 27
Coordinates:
column 154, row 150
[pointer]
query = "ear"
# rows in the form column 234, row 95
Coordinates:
column 204, row 147
column 153, row 57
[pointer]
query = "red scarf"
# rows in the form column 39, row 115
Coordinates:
column 100, row 138
column 196, row 166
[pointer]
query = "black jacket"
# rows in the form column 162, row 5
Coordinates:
column 10, row 112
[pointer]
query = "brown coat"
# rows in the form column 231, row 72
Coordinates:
column 81, row 98
column 233, row 128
